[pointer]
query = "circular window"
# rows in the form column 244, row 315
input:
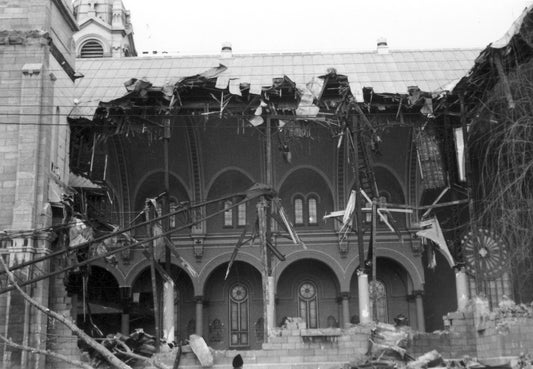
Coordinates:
column 307, row 290
column 238, row 293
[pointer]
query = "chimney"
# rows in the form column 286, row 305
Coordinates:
column 383, row 48
column 226, row 51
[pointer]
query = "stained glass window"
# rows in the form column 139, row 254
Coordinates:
column 241, row 215
column 298, row 211
column 312, row 208
column 307, row 294
column 239, row 315
column 228, row 214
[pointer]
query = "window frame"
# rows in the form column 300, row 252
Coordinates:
column 242, row 307
column 301, row 200
column 228, row 214
column 316, row 198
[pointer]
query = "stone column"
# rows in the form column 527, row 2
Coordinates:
column 125, row 297
column 20, row 322
column 421, row 325
column 345, row 301
column 199, row 315
column 271, row 306
column 364, row 299
column 169, row 325
column 461, row 284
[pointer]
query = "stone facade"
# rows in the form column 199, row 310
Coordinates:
column 36, row 56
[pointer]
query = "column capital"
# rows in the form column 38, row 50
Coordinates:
column 198, row 299
column 459, row 267
column 418, row 293
column 343, row 296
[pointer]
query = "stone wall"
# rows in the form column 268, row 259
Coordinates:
column 491, row 338
column 497, row 340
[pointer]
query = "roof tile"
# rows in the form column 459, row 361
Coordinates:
column 386, row 73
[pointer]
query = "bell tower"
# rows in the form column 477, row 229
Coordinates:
column 105, row 29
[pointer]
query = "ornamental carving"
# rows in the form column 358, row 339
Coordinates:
column 13, row 37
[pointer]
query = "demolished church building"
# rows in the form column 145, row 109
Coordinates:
column 220, row 124
column 224, row 194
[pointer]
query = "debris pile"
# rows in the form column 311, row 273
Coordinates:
column 136, row 348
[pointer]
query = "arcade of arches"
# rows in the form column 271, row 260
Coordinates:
column 229, row 312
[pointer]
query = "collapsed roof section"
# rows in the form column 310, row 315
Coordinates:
column 494, row 64
column 368, row 76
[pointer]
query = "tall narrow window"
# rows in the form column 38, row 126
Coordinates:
column 228, row 214
column 239, row 331
column 298, row 211
column 241, row 215
column 312, row 209
column 308, row 305
column 173, row 208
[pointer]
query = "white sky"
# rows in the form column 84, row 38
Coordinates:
column 201, row 26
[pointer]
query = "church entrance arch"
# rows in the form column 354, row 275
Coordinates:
column 308, row 289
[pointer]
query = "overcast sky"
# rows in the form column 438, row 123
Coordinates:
column 201, row 26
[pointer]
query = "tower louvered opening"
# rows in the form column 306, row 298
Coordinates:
column 92, row 49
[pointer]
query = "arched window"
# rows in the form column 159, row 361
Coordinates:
column 312, row 210
column 233, row 215
column 298, row 211
column 307, row 303
column 228, row 214
column 238, row 299
column 91, row 49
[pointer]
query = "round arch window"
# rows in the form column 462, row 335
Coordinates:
column 92, row 49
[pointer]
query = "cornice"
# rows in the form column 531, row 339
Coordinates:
column 65, row 11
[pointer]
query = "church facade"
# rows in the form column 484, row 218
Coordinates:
column 250, row 154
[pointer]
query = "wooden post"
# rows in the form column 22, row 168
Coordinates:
column 374, row 259
column 471, row 210
column 168, row 286
column 364, row 302
column 264, row 208
column 154, row 290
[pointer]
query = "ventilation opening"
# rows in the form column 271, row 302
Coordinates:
column 92, row 49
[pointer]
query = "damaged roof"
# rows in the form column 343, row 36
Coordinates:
column 498, row 59
column 391, row 72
